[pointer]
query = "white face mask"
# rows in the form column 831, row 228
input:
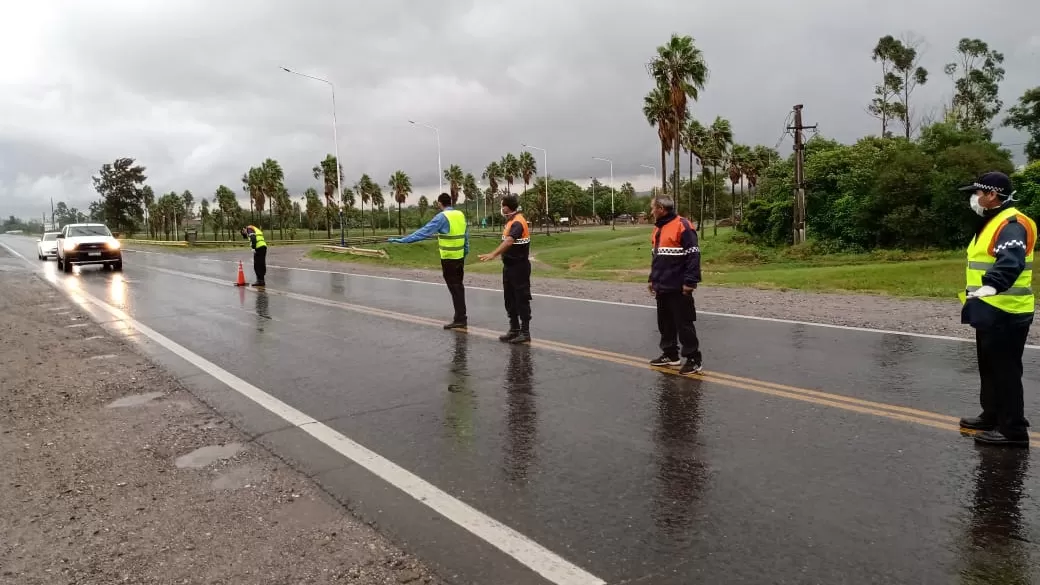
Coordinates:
column 504, row 212
column 975, row 206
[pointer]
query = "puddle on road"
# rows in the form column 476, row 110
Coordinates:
column 238, row 478
column 135, row 400
column 202, row 457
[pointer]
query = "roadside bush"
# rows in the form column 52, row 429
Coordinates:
column 883, row 192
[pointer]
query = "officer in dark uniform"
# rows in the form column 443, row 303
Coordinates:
column 516, row 271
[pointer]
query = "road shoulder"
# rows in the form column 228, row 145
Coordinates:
column 115, row 473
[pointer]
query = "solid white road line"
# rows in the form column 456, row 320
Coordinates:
column 620, row 304
column 539, row 559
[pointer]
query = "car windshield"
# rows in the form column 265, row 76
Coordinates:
column 49, row 237
column 88, row 230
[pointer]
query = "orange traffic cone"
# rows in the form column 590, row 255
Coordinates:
column 241, row 275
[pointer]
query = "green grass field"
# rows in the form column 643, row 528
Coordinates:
column 624, row 255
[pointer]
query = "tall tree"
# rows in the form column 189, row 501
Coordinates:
column 326, row 171
column 189, row 205
column 656, row 109
column 720, row 137
column 1025, row 116
column 906, row 64
column 424, row 206
column 493, row 174
column 253, row 185
column 314, row 209
column 471, row 191
column 680, row 67
column 510, row 166
column 120, row 185
column 455, row 178
column 883, row 106
column 227, row 205
column 401, row 186
column 976, row 98
column 272, row 180
column 527, row 167
column 97, row 210
column 695, row 141
column 204, row 215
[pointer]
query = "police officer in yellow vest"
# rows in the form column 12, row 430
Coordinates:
column 453, row 241
column 516, row 271
column 259, row 246
column 999, row 303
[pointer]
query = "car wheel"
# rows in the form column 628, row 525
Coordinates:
column 118, row 266
column 66, row 266
column 58, row 260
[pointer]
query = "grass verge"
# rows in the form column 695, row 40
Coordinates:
column 727, row 260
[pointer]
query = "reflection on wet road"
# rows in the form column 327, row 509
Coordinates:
column 807, row 455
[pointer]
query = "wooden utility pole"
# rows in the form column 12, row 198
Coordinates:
column 799, row 175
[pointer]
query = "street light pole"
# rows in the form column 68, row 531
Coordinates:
column 335, row 140
column 440, row 168
column 545, row 169
column 612, row 226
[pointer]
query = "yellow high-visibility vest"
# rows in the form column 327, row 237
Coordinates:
column 982, row 255
column 453, row 244
column 260, row 241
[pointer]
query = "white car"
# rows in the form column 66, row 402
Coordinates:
column 88, row 243
column 47, row 246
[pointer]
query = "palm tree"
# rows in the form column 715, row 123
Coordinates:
column 455, row 177
column 364, row 190
column 720, row 137
column 271, row 183
column 679, row 67
column 761, row 158
column 401, row 186
column 739, row 163
column 527, row 166
column 252, row 183
column 471, row 191
column 510, row 169
column 695, row 139
column 492, row 174
column 326, row 170
column 656, row 110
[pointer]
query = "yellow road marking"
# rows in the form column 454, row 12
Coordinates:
column 879, row 409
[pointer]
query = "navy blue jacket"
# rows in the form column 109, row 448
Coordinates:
column 676, row 255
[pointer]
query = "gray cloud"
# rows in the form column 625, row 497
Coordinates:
column 194, row 89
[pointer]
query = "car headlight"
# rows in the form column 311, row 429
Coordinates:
column 113, row 244
column 69, row 246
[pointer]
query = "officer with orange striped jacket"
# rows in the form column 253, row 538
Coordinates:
column 516, row 271
column 674, row 274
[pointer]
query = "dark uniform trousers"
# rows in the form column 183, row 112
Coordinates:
column 1000, row 368
column 454, row 271
column 516, row 290
column 260, row 263
column 675, row 316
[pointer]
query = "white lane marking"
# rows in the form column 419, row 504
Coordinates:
column 640, row 306
column 534, row 556
column 106, row 356
column 94, row 337
column 76, row 326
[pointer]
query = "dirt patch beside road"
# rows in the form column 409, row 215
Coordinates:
column 113, row 473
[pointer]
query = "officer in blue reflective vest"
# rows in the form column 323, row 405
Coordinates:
column 453, row 242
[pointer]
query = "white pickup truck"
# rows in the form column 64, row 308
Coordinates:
column 88, row 243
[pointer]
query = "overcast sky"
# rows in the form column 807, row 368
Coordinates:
column 194, row 91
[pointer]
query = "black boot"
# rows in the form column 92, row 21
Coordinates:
column 456, row 324
column 524, row 336
column 509, row 335
column 979, row 423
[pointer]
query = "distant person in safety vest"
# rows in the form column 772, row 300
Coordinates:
column 516, row 271
column 999, row 303
column 453, row 242
column 259, row 246
column 675, row 272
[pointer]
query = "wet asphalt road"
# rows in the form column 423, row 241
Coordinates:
column 744, row 476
